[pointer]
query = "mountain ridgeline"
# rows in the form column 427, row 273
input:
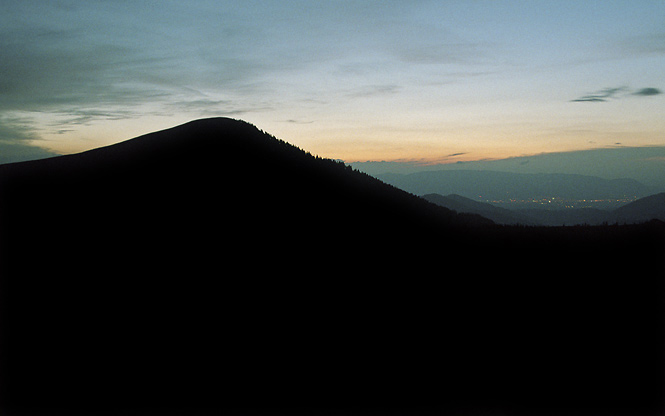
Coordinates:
column 214, row 269
column 217, row 174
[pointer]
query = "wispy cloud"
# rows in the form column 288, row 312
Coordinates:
column 374, row 90
column 73, row 59
column 217, row 108
column 444, row 53
column 14, row 130
column 86, row 116
column 589, row 99
column 602, row 95
column 293, row 121
column 615, row 93
column 16, row 141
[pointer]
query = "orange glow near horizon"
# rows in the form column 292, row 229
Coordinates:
column 382, row 134
column 418, row 146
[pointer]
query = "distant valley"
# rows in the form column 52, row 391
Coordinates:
column 641, row 210
column 522, row 190
column 535, row 198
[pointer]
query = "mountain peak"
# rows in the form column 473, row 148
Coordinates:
column 210, row 169
column 213, row 269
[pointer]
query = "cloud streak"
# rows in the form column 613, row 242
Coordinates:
column 601, row 96
column 16, row 138
column 616, row 93
column 373, row 91
column 73, row 59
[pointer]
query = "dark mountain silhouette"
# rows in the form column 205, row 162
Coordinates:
column 567, row 216
column 504, row 185
column 213, row 269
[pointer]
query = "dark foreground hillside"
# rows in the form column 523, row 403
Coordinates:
column 212, row 269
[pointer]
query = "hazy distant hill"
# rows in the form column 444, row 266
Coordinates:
column 213, row 269
column 504, row 185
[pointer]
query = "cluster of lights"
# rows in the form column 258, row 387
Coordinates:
column 561, row 202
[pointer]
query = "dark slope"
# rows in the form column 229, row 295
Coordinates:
column 566, row 216
column 212, row 269
column 644, row 209
column 160, row 195
column 220, row 171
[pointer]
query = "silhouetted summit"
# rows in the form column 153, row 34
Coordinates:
column 198, row 259
column 214, row 269
column 221, row 176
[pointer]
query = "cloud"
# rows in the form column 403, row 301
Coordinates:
column 616, row 93
column 64, row 59
column 374, row 90
column 445, row 53
column 589, row 99
column 19, row 152
column 15, row 130
column 44, row 73
column 218, row 108
column 16, row 142
column 648, row 91
column 86, row 116
column 292, row 121
column 601, row 96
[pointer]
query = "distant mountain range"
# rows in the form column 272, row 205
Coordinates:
column 642, row 210
column 506, row 186
column 212, row 269
column 644, row 164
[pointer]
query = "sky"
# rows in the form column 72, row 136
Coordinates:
column 410, row 81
